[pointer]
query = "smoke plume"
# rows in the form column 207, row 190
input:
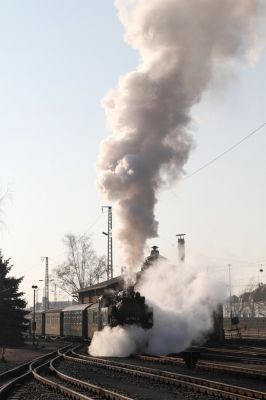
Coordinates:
column 183, row 301
column 181, row 45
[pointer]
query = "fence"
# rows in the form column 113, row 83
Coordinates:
column 247, row 327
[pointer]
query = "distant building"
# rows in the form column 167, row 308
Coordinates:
column 249, row 304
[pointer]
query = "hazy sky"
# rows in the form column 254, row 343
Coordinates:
column 58, row 59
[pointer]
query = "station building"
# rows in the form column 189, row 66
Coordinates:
column 92, row 293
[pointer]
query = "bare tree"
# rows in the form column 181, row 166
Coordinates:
column 250, row 303
column 82, row 266
column 243, row 304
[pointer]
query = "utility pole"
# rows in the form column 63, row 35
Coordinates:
column 55, row 297
column 230, row 293
column 37, row 299
column 109, row 243
column 181, row 246
column 34, row 287
column 46, row 284
column 260, row 270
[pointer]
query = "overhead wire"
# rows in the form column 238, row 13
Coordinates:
column 229, row 149
column 207, row 164
column 226, row 151
column 94, row 223
column 186, row 177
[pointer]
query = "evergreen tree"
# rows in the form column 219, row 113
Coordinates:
column 12, row 308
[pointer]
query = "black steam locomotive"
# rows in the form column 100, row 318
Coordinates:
column 127, row 308
column 80, row 321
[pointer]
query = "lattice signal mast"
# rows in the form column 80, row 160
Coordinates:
column 46, row 284
column 109, row 243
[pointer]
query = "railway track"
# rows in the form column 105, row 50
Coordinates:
column 224, row 368
column 200, row 385
column 15, row 376
column 98, row 392
column 44, row 371
column 242, row 351
column 233, row 355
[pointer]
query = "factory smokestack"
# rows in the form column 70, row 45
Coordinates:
column 182, row 46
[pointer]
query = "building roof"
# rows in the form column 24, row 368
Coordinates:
column 101, row 285
column 154, row 256
column 53, row 310
column 77, row 307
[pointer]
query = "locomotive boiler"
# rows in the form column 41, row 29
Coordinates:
column 127, row 307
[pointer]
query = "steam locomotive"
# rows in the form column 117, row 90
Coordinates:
column 127, row 308
column 80, row 321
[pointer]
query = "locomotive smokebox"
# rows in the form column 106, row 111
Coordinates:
column 127, row 307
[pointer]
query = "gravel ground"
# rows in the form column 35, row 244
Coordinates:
column 33, row 390
column 19, row 356
column 135, row 387
column 86, row 392
column 259, row 367
column 198, row 373
column 234, row 355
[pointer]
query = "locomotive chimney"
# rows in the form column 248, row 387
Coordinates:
column 155, row 251
column 181, row 246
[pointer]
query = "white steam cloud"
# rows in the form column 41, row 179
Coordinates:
column 183, row 302
column 119, row 341
column 181, row 45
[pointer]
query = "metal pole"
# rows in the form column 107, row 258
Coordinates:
column 230, row 292
column 37, row 299
column 34, row 287
column 43, row 299
column 55, row 298
column 46, row 284
column 109, row 243
column 34, row 321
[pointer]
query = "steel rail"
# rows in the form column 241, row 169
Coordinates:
column 20, row 374
column 225, row 368
column 245, row 356
column 227, row 357
column 245, row 350
column 57, row 386
column 197, row 384
column 108, row 394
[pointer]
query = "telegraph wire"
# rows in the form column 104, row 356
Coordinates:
column 226, row 151
column 221, row 155
column 94, row 223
